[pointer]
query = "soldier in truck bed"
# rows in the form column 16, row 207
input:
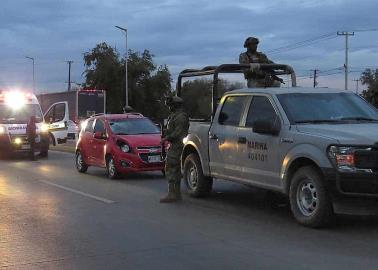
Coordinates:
column 257, row 78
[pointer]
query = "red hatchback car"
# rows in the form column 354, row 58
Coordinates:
column 121, row 143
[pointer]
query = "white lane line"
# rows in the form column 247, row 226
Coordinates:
column 78, row 192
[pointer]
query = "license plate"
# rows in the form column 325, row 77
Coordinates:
column 152, row 159
column 25, row 146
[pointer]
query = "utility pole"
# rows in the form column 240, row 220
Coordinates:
column 356, row 80
column 69, row 74
column 315, row 77
column 32, row 58
column 346, row 34
column 127, row 56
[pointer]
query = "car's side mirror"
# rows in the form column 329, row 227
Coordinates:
column 267, row 126
column 99, row 135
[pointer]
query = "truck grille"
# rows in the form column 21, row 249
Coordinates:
column 366, row 159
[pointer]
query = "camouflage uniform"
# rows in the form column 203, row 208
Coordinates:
column 256, row 78
column 177, row 129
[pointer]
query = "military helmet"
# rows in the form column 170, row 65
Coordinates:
column 171, row 100
column 250, row 40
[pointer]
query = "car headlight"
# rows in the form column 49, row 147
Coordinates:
column 125, row 148
column 343, row 157
column 44, row 128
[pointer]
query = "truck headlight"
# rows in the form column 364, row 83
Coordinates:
column 2, row 130
column 44, row 128
column 18, row 141
column 343, row 157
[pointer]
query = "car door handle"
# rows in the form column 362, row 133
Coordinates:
column 242, row 140
column 213, row 136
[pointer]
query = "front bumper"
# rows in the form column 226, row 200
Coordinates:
column 7, row 144
column 137, row 162
column 353, row 193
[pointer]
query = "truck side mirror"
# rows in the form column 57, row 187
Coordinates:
column 267, row 126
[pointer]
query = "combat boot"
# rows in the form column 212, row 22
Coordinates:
column 171, row 196
column 178, row 190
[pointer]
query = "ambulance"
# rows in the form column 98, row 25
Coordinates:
column 16, row 108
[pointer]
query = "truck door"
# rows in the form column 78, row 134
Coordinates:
column 258, row 155
column 223, row 138
column 57, row 116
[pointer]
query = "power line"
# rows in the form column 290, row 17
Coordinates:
column 302, row 43
column 366, row 30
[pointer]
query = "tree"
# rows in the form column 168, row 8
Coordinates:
column 103, row 70
column 370, row 78
column 147, row 82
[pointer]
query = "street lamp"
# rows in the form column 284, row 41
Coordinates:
column 32, row 58
column 127, row 56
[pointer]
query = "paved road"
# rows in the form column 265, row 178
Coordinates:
column 52, row 217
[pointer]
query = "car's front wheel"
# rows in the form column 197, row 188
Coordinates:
column 198, row 184
column 81, row 166
column 111, row 168
column 310, row 201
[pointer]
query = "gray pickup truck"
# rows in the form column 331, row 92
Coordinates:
column 318, row 146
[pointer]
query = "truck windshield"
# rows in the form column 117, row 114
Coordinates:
column 21, row 115
column 327, row 108
column 133, row 126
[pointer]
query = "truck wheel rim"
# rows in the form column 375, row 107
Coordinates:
column 193, row 177
column 307, row 199
column 111, row 167
column 79, row 161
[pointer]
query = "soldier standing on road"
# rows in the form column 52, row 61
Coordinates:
column 31, row 133
column 177, row 129
column 257, row 78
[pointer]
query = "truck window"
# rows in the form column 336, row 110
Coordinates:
column 60, row 110
column 99, row 126
column 89, row 126
column 260, row 109
column 232, row 110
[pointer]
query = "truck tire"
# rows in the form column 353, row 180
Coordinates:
column 198, row 184
column 111, row 168
column 310, row 201
column 81, row 166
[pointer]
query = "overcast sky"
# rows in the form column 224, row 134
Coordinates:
column 184, row 34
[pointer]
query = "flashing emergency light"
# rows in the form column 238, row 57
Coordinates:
column 15, row 99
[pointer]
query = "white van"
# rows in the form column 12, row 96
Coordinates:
column 16, row 108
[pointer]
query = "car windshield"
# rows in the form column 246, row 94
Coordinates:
column 302, row 108
column 8, row 115
column 133, row 126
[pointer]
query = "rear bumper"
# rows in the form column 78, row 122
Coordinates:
column 353, row 193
